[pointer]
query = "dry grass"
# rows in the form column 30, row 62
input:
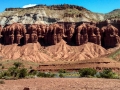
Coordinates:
column 27, row 64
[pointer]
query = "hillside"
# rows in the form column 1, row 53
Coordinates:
column 48, row 14
column 61, row 52
column 54, row 13
column 115, row 14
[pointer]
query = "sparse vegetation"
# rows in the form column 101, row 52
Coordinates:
column 17, row 71
column 46, row 74
column 33, row 72
column 108, row 73
column 26, row 64
column 62, row 71
column 17, row 64
column 61, row 75
column 115, row 14
column 3, row 67
column 14, row 72
column 64, row 10
column 87, row 72
column 31, row 67
column 0, row 64
column 114, row 54
column 23, row 73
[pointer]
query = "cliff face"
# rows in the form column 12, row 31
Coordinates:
column 48, row 14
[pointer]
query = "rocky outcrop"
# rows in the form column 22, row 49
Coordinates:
column 48, row 14
column 111, row 38
column 98, row 64
column 74, row 34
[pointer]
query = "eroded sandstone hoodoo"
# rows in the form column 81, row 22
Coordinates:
column 106, row 35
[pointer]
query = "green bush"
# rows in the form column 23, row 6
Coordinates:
column 62, row 71
column 30, row 76
column 13, row 71
column 17, row 64
column 23, row 73
column 42, row 74
column 107, row 73
column 98, row 75
column 1, row 74
column 33, row 72
column 61, row 75
column 87, row 72
column 3, row 67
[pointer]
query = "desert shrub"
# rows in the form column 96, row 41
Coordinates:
column 61, row 75
column 3, row 67
column 0, row 64
column 33, row 72
column 108, row 73
column 98, row 75
column 52, row 75
column 17, row 64
column 23, row 73
column 9, row 78
column 2, row 82
column 87, row 72
column 30, row 76
column 1, row 75
column 31, row 67
column 62, row 71
column 13, row 71
column 42, row 74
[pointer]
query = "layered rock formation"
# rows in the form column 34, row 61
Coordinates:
column 48, row 14
column 107, row 35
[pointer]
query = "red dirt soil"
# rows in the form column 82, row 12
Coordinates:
column 60, row 52
column 62, row 84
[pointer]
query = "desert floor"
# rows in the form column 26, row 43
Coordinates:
column 62, row 84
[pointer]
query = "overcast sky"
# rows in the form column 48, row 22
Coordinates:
column 100, row 6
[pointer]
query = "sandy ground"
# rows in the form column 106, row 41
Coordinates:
column 62, row 84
